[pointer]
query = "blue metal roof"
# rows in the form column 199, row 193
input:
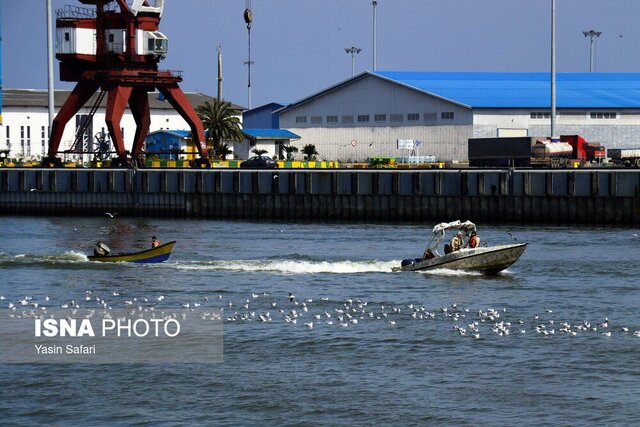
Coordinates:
column 270, row 134
column 525, row 90
column 178, row 133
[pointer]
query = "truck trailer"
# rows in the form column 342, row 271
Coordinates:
column 625, row 156
column 569, row 151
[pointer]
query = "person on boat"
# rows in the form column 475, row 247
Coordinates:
column 457, row 243
column 474, row 240
column 155, row 242
column 428, row 254
column 101, row 249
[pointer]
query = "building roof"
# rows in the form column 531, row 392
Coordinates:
column 269, row 134
column 178, row 133
column 512, row 90
column 39, row 98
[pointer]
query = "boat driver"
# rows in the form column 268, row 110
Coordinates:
column 155, row 242
column 457, row 242
column 100, row 249
column 474, row 240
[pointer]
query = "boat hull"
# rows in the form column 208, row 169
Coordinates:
column 488, row 260
column 148, row 256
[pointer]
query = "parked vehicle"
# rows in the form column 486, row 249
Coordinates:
column 569, row 151
column 259, row 162
column 625, row 156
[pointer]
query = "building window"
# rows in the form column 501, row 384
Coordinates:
column 347, row 119
column 540, row 115
column 22, row 141
column 316, row 120
column 603, row 115
column 43, row 139
column 111, row 38
column 332, row 119
column 28, row 140
column 380, row 117
column 8, row 138
column 301, row 119
column 67, row 36
column 413, row 117
column 446, row 115
column 363, row 118
column 396, row 118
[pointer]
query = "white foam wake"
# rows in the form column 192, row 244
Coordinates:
column 293, row 266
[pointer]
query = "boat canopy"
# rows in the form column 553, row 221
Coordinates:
column 438, row 231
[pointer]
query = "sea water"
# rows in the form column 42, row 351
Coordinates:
column 441, row 347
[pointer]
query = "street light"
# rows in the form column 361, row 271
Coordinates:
column 592, row 34
column 374, row 3
column 353, row 51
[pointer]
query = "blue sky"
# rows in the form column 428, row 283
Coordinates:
column 298, row 45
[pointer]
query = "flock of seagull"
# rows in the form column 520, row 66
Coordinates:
column 263, row 308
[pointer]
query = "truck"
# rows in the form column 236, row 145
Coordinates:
column 625, row 156
column 568, row 151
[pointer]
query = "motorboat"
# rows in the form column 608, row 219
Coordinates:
column 154, row 255
column 484, row 259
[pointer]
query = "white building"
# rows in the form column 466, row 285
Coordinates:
column 366, row 115
column 25, row 120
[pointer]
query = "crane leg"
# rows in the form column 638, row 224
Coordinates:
column 117, row 102
column 181, row 104
column 80, row 95
column 139, row 104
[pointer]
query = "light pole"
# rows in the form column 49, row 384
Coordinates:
column 353, row 51
column 374, row 3
column 592, row 34
column 553, row 69
column 248, row 19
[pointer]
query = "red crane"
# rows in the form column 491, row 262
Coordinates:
column 116, row 49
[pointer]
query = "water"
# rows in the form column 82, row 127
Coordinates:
column 416, row 371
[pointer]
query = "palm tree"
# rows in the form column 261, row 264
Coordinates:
column 223, row 151
column 290, row 149
column 259, row 151
column 220, row 121
column 309, row 152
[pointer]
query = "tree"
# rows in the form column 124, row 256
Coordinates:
column 290, row 149
column 220, row 121
column 259, row 151
column 223, row 151
column 309, row 152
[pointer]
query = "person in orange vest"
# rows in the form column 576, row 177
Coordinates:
column 474, row 240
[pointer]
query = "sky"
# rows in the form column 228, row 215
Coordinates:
column 298, row 46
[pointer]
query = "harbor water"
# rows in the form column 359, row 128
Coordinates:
column 555, row 341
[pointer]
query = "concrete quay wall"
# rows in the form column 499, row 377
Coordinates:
column 585, row 196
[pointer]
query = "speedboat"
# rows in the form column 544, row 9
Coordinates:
column 485, row 259
column 154, row 255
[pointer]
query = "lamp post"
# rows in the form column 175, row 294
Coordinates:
column 374, row 3
column 592, row 34
column 553, row 68
column 353, row 51
column 248, row 19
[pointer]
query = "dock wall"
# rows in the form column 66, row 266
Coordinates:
column 586, row 196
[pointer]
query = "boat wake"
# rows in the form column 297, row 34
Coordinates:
column 292, row 266
column 34, row 259
column 448, row 272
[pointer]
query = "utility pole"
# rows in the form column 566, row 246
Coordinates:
column 50, row 65
column 374, row 3
column 553, row 69
column 219, row 73
column 592, row 34
column 353, row 51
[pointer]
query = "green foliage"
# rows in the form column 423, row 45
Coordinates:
column 222, row 151
column 309, row 152
column 220, row 121
column 290, row 149
column 259, row 151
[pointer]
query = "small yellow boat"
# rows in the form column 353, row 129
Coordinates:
column 153, row 255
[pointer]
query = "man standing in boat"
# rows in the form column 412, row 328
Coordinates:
column 474, row 240
column 155, row 242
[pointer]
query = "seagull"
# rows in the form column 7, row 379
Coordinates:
column 291, row 297
column 112, row 215
column 512, row 236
